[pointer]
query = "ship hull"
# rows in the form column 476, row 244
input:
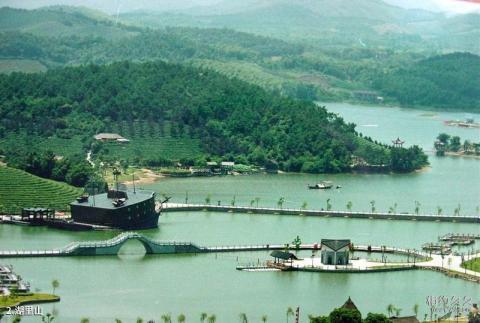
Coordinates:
column 134, row 215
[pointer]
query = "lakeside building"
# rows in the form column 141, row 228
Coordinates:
column 37, row 216
column 127, row 210
column 368, row 96
column 9, row 281
column 335, row 252
column 111, row 137
column 282, row 256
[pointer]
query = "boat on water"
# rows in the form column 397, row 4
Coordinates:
column 121, row 209
column 323, row 185
column 467, row 123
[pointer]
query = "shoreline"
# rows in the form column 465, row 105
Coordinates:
column 460, row 155
column 147, row 176
column 428, row 108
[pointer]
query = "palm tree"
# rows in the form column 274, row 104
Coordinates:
column 417, row 207
column 203, row 317
column 466, row 146
column 208, row 199
column 252, row 202
column 212, row 318
column 390, row 309
column 264, row 318
column 372, row 203
column 243, row 318
column 166, row 318
column 181, row 318
column 349, row 205
column 329, row 205
column 232, row 203
column 289, row 313
column 297, row 242
column 397, row 311
column 304, row 205
column 47, row 318
column 85, row 320
column 439, row 210
column 415, row 309
column 55, row 285
column 280, row 202
column 456, row 212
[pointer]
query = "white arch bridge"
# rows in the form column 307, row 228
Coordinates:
column 112, row 246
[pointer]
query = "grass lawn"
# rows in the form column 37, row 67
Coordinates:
column 27, row 299
column 149, row 141
column 151, row 148
column 473, row 264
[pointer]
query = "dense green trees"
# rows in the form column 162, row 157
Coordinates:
column 406, row 160
column 74, row 169
column 447, row 143
column 344, row 315
column 448, row 81
column 301, row 70
column 232, row 119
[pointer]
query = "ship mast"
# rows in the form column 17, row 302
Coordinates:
column 133, row 180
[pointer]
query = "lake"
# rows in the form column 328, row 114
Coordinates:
column 132, row 285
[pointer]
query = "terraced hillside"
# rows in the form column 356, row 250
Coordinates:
column 150, row 141
column 19, row 189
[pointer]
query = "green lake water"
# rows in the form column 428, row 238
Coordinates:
column 132, row 285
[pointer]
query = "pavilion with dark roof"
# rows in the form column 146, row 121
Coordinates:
column 283, row 256
column 350, row 305
column 335, row 252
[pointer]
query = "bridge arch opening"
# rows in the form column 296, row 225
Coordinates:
column 132, row 248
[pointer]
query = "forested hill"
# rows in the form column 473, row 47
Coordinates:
column 304, row 71
column 172, row 44
column 446, row 81
column 339, row 23
column 230, row 118
column 63, row 21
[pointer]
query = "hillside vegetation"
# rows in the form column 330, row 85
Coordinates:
column 308, row 71
column 340, row 23
column 446, row 81
column 229, row 118
column 61, row 21
column 19, row 189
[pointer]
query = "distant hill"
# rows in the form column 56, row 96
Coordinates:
column 62, row 21
column 448, row 81
column 369, row 23
column 19, row 189
column 295, row 69
column 110, row 6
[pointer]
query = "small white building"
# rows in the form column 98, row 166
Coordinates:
column 335, row 252
column 227, row 165
column 111, row 137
